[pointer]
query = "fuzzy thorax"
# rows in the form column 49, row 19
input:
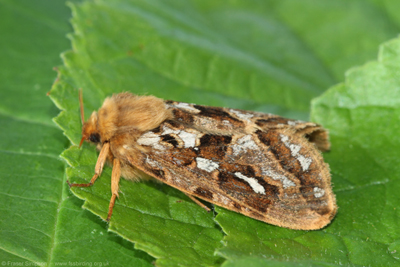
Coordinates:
column 126, row 113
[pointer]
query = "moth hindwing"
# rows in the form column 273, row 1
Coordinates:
column 261, row 165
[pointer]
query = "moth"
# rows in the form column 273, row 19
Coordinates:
column 260, row 165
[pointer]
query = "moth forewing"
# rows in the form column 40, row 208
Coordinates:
column 247, row 178
column 260, row 165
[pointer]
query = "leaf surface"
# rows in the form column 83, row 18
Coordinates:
column 204, row 52
column 271, row 56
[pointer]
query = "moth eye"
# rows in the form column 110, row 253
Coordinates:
column 95, row 138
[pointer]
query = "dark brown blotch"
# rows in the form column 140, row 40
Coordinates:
column 157, row 173
column 260, row 203
column 246, row 170
column 281, row 153
column 214, row 112
column 229, row 183
column 202, row 192
column 215, row 140
column 270, row 190
column 157, row 130
column 170, row 139
column 173, row 124
column 264, row 138
column 182, row 116
column 271, row 121
column 213, row 146
column 224, row 177
column 184, row 156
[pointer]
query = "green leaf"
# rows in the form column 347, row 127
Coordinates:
column 199, row 52
column 260, row 262
column 247, row 237
column 271, row 56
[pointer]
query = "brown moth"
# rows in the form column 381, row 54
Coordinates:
column 261, row 165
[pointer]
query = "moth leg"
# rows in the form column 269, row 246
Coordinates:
column 99, row 166
column 115, row 177
column 195, row 200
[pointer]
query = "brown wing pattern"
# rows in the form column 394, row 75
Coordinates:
column 229, row 121
column 260, row 165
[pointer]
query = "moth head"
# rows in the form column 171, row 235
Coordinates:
column 90, row 130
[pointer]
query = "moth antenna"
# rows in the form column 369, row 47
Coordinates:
column 80, row 144
column 81, row 106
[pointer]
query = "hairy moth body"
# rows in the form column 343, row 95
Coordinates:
column 260, row 165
